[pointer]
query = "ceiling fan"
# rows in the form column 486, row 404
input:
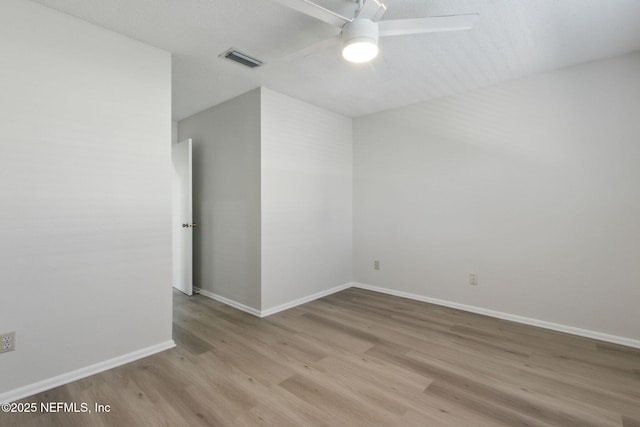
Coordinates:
column 359, row 34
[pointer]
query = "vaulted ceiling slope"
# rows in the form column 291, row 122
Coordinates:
column 512, row 38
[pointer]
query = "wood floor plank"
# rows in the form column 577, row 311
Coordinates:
column 341, row 404
column 628, row 422
column 357, row 358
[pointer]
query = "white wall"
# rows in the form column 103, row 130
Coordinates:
column 226, row 197
column 272, row 199
column 85, row 244
column 174, row 132
column 306, row 199
column 533, row 185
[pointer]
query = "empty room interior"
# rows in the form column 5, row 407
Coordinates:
column 320, row 213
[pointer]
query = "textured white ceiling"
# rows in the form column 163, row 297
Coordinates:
column 513, row 38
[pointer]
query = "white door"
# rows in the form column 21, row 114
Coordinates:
column 182, row 217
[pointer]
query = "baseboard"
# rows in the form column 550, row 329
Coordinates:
column 278, row 308
column 303, row 300
column 229, row 302
column 629, row 342
column 44, row 385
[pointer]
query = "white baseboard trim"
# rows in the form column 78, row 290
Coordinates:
column 276, row 309
column 44, row 385
column 303, row 300
column 229, row 302
column 615, row 339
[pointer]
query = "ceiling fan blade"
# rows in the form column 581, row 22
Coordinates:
column 310, row 50
column 316, row 11
column 371, row 8
column 432, row 24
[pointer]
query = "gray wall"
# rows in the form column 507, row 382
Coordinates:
column 306, row 199
column 85, row 243
column 272, row 199
column 532, row 185
column 226, row 197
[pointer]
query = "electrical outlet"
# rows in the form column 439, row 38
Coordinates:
column 7, row 342
column 473, row 279
column 376, row 265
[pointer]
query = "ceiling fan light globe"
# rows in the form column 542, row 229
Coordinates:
column 360, row 40
column 360, row 51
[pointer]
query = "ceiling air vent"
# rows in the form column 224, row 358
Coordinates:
column 241, row 58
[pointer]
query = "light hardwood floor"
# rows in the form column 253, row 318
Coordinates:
column 358, row 358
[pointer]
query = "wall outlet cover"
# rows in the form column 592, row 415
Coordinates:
column 7, row 342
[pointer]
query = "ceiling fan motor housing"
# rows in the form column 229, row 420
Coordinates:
column 360, row 30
